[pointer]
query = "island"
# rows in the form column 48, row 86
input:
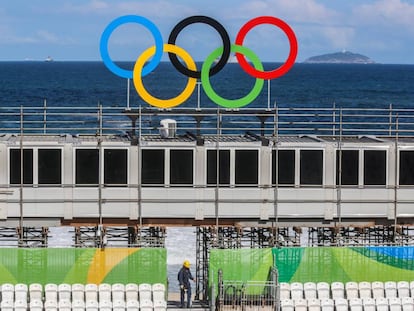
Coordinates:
column 344, row 57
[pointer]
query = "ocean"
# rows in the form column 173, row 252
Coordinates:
column 89, row 84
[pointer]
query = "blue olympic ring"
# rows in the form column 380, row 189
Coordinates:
column 103, row 47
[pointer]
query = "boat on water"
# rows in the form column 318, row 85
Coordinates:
column 49, row 59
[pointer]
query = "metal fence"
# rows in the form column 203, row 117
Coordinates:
column 311, row 120
column 249, row 295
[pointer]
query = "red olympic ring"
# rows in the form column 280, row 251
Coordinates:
column 283, row 69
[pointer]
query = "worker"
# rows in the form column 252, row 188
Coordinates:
column 184, row 277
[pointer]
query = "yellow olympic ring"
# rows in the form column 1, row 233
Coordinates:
column 164, row 103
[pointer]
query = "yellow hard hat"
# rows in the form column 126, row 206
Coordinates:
column 186, row 264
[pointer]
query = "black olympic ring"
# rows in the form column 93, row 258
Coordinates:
column 224, row 37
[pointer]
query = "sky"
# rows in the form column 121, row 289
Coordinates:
column 70, row 30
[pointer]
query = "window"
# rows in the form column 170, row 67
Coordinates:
column 49, row 166
column 15, row 166
column 153, row 166
column 349, row 167
column 374, row 167
column 406, row 167
column 181, row 167
column 311, row 167
column 224, row 167
column 285, row 167
column 115, row 167
column 246, row 167
column 87, row 166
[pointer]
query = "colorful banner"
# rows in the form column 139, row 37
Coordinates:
column 240, row 265
column 330, row 264
column 83, row 265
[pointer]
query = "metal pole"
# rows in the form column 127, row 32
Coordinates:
column 276, row 148
column 44, row 116
column 339, row 187
column 139, row 167
column 198, row 96
column 128, row 91
column 21, row 178
column 100, row 181
column 396, row 161
column 268, row 94
column 216, row 193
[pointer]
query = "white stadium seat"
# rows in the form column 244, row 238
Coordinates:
column 382, row 304
column 337, row 290
column 133, row 305
column 341, row 304
column 78, row 292
column 64, row 292
column 351, row 289
column 355, row 304
column 323, row 290
column 314, row 304
column 7, row 292
column 300, row 304
column 287, row 305
column 309, row 290
column 91, row 305
column 118, row 292
column 51, row 291
column 158, row 291
column 20, row 305
column 105, row 305
column 51, row 305
column 364, row 289
column 78, row 305
column 20, row 291
column 394, row 303
column 407, row 303
column 118, row 305
column 131, row 291
column 296, row 290
column 369, row 304
column 160, row 305
column 145, row 305
column 35, row 291
column 403, row 289
column 145, row 291
column 36, row 305
column 65, row 305
column 377, row 289
column 104, row 292
column 91, row 292
column 284, row 290
column 390, row 289
column 6, row 305
column 412, row 287
column 327, row 304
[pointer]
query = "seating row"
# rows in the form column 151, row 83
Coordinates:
column 348, row 290
column 80, row 292
column 80, row 305
column 354, row 304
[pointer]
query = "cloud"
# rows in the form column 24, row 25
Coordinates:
column 394, row 13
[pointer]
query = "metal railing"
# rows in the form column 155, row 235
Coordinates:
column 310, row 120
column 249, row 295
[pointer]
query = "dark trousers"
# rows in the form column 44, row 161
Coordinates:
column 182, row 296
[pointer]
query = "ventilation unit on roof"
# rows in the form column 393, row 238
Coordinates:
column 168, row 128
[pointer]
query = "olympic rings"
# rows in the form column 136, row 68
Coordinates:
column 231, row 103
column 292, row 54
column 161, row 103
column 142, row 68
column 130, row 19
column 217, row 26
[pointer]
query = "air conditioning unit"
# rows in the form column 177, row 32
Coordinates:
column 168, row 128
